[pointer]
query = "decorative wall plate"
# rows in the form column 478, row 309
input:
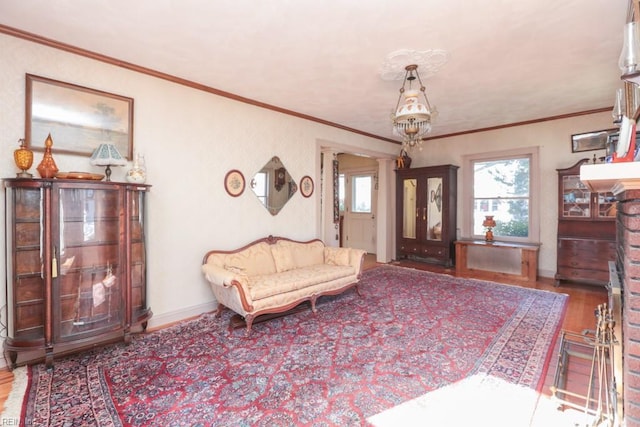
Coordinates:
column 234, row 182
column 306, row 186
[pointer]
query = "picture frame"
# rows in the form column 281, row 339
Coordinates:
column 591, row 141
column 306, row 186
column 234, row 183
column 78, row 118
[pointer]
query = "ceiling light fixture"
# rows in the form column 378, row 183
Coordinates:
column 412, row 119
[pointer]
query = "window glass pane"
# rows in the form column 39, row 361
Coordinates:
column 341, row 191
column 501, row 178
column 501, row 189
column 511, row 216
column 361, row 197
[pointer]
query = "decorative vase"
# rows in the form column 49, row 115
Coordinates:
column 403, row 161
column 138, row 173
column 47, row 167
column 24, row 159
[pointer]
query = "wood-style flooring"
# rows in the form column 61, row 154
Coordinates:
column 583, row 299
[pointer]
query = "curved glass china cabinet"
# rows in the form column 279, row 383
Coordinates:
column 76, row 264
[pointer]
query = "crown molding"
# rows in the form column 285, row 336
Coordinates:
column 174, row 79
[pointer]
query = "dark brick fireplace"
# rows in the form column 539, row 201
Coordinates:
column 628, row 267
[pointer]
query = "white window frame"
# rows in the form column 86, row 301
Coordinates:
column 534, row 191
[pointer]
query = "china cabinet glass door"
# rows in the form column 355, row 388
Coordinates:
column 576, row 198
column 88, row 257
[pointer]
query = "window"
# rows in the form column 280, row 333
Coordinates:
column 341, row 191
column 361, row 194
column 502, row 185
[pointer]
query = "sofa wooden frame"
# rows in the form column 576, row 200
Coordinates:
column 250, row 316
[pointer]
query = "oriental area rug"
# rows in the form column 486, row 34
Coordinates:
column 417, row 348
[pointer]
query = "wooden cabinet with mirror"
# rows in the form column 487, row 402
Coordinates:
column 426, row 213
column 76, row 265
column 586, row 230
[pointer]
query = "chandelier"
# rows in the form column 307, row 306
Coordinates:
column 412, row 119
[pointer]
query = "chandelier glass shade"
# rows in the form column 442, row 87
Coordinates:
column 412, row 119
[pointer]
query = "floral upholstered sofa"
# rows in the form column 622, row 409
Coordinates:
column 275, row 274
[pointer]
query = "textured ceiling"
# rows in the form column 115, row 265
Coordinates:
column 509, row 61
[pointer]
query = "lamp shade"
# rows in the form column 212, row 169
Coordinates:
column 489, row 221
column 412, row 119
column 107, row 155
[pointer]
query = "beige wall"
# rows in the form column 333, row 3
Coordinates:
column 191, row 139
column 554, row 141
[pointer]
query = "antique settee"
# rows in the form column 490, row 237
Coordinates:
column 275, row 274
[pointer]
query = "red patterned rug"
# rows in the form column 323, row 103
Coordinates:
column 412, row 335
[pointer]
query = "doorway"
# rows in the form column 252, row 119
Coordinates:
column 358, row 190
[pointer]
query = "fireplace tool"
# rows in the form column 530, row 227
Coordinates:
column 595, row 347
column 602, row 367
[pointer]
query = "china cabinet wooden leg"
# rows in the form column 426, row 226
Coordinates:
column 48, row 358
column 13, row 357
column 144, row 326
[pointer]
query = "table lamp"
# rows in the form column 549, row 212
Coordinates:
column 489, row 223
column 107, row 155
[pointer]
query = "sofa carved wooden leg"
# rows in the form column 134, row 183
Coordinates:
column 313, row 303
column 249, row 321
column 358, row 291
column 219, row 310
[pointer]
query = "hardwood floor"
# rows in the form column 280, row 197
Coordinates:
column 580, row 313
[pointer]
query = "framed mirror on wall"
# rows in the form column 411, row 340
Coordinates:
column 590, row 141
column 273, row 185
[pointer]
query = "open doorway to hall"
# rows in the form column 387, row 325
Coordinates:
column 358, row 200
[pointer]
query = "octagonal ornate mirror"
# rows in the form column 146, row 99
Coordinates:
column 273, row 185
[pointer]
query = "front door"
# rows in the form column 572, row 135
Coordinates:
column 360, row 211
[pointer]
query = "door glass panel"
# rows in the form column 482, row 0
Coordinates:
column 341, row 192
column 409, row 211
column 434, row 209
column 361, row 197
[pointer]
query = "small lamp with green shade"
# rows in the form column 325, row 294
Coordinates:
column 107, row 155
